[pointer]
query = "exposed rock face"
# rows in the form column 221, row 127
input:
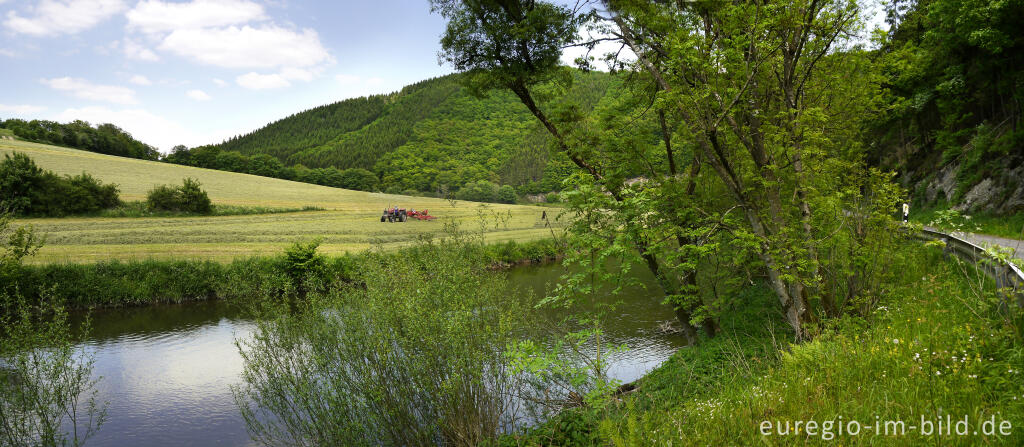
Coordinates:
column 945, row 182
column 981, row 195
column 1002, row 193
column 536, row 198
column 1014, row 201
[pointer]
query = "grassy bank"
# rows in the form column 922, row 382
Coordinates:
column 135, row 283
column 935, row 346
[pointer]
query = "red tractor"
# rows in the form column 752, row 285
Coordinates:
column 394, row 214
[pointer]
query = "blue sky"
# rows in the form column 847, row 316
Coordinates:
column 198, row 71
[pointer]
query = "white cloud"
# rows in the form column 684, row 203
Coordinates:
column 133, row 50
column 86, row 90
column 259, row 81
column 140, row 80
column 198, row 95
column 155, row 16
column 56, row 17
column 256, row 81
column 8, row 53
column 220, row 82
column 267, row 46
column 145, row 126
column 20, row 109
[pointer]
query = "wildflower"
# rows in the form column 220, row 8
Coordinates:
column 896, row 341
column 937, row 373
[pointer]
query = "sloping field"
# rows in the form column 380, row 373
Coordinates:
column 351, row 220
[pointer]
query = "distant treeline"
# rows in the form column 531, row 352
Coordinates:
column 105, row 138
column 212, row 157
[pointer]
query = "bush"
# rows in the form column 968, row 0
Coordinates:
column 26, row 189
column 19, row 178
column 552, row 197
column 304, row 265
column 359, row 179
column 479, row 191
column 187, row 198
column 416, row 355
column 507, row 194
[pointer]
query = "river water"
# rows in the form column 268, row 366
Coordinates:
column 166, row 370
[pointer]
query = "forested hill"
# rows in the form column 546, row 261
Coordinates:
column 953, row 88
column 429, row 136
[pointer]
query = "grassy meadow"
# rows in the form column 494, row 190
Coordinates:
column 349, row 220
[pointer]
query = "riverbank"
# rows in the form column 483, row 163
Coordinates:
column 137, row 283
column 936, row 345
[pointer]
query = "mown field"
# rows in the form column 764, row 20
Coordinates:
column 349, row 222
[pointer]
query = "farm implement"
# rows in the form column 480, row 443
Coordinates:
column 396, row 214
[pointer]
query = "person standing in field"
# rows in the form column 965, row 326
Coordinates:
column 906, row 212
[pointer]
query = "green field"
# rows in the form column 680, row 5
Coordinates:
column 350, row 221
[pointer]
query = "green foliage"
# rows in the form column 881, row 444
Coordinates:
column 45, row 381
column 953, row 74
column 936, row 346
column 414, row 355
column 303, row 264
column 431, row 136
column 187, row 198
column 47, row 395
column 105, row 138
column 142, row 282
column 506, row 194
column 26, row 189
column 479, row 191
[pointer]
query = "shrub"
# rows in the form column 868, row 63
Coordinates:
column 552, row 197
column 507, row 194
column 479, row 191
column 27, row 189
column 187, row 198
column 19, row 177
column 304, row 265
column 417, row 355
column 359, row 179
column 194, row 199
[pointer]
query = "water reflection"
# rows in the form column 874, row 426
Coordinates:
column 167, row 370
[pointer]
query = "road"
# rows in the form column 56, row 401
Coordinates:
column 985, row 240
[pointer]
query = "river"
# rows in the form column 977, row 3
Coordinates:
column 166, row 370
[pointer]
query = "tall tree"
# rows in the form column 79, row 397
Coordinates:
column 516, row 45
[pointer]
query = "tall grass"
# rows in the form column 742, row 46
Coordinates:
column 136, row 283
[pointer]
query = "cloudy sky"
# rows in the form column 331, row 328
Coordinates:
column 198, row 71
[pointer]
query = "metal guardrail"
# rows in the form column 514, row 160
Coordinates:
column 1007, row 275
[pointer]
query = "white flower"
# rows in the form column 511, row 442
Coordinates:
column 896, row 341
column 938, row 373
